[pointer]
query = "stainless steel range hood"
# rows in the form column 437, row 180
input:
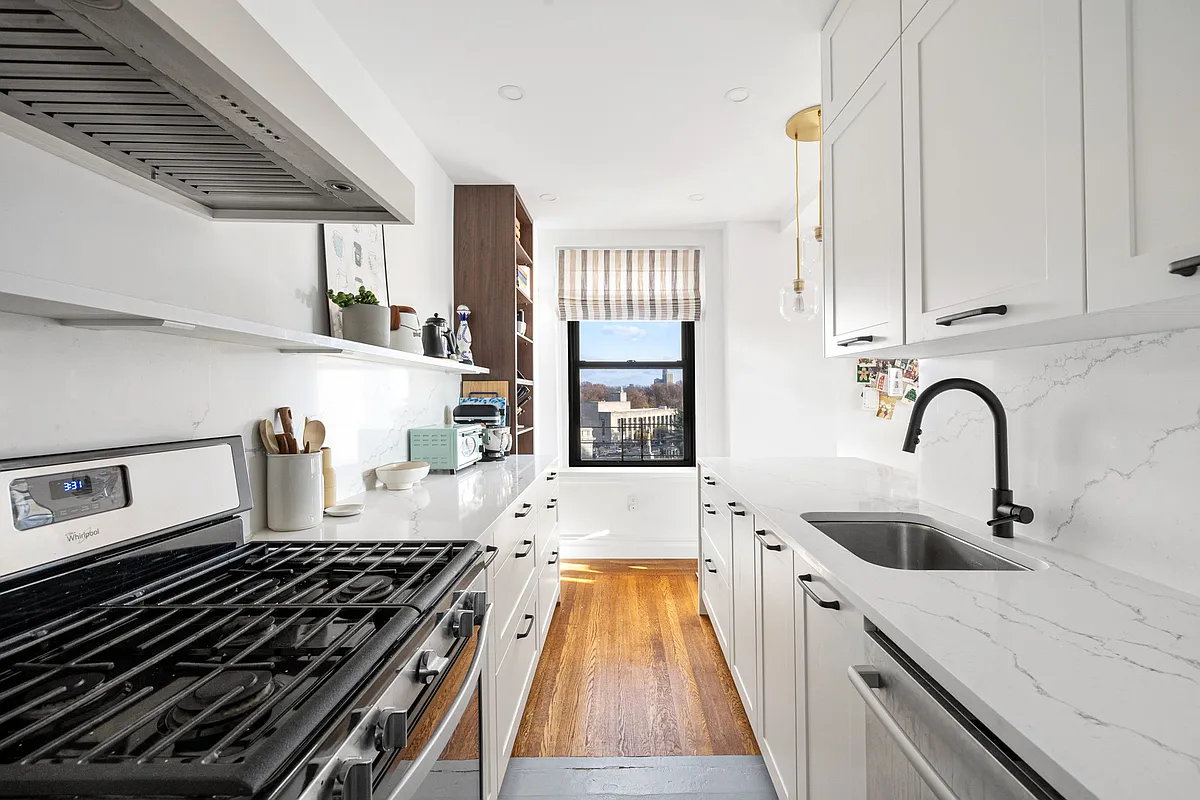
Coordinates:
column 120, row 86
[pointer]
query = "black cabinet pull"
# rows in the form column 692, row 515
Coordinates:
column 528, row 629
column 524, row 512
column 1185, row 266
column 804, row 581
column 974, row 312
column 855, row 340
column 553, row 504
column 552, row 476
column 709, row 481
column 491, row 552
column 733, row 507
column 554, row 560
column 713, row 570
column 527, row 552
column 708, row 509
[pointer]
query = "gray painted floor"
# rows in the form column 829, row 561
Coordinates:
column 694, row 777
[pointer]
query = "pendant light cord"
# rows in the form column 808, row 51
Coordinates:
column 799, row 255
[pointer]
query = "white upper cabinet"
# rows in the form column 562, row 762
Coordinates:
column 855, row 38
column 993, row 165
column 864, row 217
column 1141, row 93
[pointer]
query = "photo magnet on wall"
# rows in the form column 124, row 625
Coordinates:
column 895, row 382
column 863, row 374
column 870, row 399
column 887, row 407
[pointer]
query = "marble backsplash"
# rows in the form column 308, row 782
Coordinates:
column 66, row 389
column 1104, row 446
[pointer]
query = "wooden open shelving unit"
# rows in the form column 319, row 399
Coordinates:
column 487, row 252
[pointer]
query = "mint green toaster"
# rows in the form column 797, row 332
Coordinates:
column 447, row 448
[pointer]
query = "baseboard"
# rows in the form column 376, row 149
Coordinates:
column 628, row 548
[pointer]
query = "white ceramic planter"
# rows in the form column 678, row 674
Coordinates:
column 369, row 324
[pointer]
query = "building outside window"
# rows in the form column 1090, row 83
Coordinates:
column 632, row 393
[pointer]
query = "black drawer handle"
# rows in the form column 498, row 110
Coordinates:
column 708, row 509
column 553, row 504
column 974, row 312
column 713, row 570
column 776, row 545
column 804, row 581
column 855, row 340
column 528, row 629
column 554, row 560
column 1185, row 266
column 733, row 507
column 552, row 476
column 527, row 552
column 524, row 512
column 709, row 481
column 492, row 551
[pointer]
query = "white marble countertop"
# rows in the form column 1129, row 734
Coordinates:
column 1090, row 674
column 442, row 506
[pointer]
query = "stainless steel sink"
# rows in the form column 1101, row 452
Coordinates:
column 905, row 544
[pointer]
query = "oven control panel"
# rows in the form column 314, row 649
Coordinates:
column 38, row 500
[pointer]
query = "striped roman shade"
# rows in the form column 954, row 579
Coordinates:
column 629, row 284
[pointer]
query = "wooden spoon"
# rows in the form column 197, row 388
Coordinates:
column 285, row 419
column 314, row 435
column 266, row 431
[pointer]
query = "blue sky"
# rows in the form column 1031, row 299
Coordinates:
column 621, row 341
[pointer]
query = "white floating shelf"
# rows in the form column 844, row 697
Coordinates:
column 80, row 307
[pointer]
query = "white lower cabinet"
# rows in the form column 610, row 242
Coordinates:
column 514, row 677
column 745, row 612
column 836, row 721
column 716, row 594
column 780, row 677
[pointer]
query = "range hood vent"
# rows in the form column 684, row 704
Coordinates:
column 105, row 77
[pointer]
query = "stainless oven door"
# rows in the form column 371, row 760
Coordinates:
column 444, row 757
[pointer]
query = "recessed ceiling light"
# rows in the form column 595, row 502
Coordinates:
column 695, row 198
column 510, row 92
column 549, row 198
column 738, row 94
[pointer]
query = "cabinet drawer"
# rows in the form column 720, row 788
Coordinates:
column 514, row 526
column 548, row 587
column 722, row 499
column 547, row 524
column 513, row 577
column 515, row 675
column 717, row 594
column 857, row 36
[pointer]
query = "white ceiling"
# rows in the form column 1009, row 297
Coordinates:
column 624, row 114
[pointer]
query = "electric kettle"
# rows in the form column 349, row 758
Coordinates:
column 437, row 339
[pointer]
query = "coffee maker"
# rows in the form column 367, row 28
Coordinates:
column 491, row 412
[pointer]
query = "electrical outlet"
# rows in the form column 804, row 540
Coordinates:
column 632, row 502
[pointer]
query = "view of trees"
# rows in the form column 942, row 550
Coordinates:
column 656, row 395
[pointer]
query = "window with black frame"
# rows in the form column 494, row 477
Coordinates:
column 632, row 393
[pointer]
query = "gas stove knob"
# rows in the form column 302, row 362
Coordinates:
column 354, row 780
column 392, row 732
column 462, row 623
column 430, row 665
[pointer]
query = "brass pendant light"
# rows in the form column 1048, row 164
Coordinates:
column 794, row 301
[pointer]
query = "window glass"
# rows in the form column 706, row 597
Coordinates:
column 630, row 341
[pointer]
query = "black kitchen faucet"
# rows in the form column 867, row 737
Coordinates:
column 1004, row 510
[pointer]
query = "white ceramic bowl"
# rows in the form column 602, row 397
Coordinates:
column 402, row 475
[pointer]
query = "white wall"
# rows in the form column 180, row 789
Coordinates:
column 595, row 518
column 1105, row 447
column 68, row 389
column 781, row 393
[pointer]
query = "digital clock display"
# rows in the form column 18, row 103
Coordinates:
column 75, row 486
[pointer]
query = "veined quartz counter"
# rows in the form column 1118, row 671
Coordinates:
column 1090, row 674
column 442, row 506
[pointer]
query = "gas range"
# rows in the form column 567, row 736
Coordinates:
column 189, row 663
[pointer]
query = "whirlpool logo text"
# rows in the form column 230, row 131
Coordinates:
column 79, row 536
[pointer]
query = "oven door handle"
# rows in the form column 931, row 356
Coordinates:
column 423, row 763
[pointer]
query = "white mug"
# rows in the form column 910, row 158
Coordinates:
column 295, row 491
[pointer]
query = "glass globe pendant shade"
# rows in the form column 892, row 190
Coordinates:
column 800, row 301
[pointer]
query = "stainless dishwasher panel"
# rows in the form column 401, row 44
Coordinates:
column 923, row 745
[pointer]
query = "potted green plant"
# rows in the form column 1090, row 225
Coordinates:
column 363, row 319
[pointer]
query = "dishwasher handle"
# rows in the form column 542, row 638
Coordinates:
column 864, row 679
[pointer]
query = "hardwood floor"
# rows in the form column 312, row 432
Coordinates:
column 631, row 669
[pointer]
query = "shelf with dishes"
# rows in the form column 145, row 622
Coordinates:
column 93, row 309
